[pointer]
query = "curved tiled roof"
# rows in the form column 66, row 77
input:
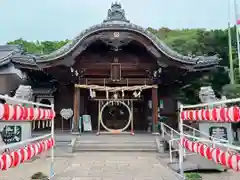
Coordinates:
column 7, row 51
column 117, row 21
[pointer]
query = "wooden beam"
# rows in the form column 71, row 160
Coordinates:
column 106, row 65
column 76, row 107
column 126, row 81
column 155, row 108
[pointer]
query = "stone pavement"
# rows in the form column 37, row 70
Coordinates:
column 229, row 175
column 96, row 166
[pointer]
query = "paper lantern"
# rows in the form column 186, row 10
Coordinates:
column 41, row 114
column 223, row 115
column 8, row 112
column 18, row 112
column 37, row 113
column 233, row 114
column 16, row 156
column 207, row 114
column 7, row 161
column 1, row 111
column 44, row 114
column 182, row 115
column 24, row 154
column 190, row 114
column 25, row 113
column 214, row 114
column 30, row 113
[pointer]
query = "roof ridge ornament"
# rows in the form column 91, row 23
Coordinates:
column 116, row 13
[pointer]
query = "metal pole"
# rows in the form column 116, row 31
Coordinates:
column 237, row 34
column 232, row 79
column 52, row 150
column 181, row 152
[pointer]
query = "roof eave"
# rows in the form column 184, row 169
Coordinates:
column 121, row 26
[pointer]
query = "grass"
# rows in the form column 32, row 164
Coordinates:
column 193, row 176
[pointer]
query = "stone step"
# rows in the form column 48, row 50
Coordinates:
column 115, row 146
column 83, row 149
column 115, row 142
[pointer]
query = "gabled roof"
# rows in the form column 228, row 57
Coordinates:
column 116, row 21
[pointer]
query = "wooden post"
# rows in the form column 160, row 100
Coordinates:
column 76, row 107
column 99, row 123
column 154, row 109
column 132, row 128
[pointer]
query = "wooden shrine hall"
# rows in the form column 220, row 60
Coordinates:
column 115, row 64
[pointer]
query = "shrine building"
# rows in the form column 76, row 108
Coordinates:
column 114, row 62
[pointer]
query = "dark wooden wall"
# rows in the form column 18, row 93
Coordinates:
column 63, row 100
column 96, row 61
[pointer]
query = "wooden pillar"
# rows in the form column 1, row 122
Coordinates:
column 154, row 109
column 76, row 107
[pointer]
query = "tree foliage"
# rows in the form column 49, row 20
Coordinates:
column 185, row 41
column 204, row 42
column 43, row 47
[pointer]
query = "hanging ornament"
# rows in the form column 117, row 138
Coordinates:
column 39, row 124
column 139, row 93
column 94, row 94
column 33, row 125
column 115, row 96
column 91, row 93
column 43, row 124
column 135, row 94
column 122, row 93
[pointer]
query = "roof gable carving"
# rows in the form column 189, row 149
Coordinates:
column 116, row 13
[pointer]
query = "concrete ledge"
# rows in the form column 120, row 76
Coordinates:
column 73, row 144
column 160, row 146
column 76, row 133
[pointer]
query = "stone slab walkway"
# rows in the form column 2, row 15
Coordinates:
column 229, row 175
column 96, row 166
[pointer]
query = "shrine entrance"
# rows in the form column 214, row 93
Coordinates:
column 116, row 113
column 115, row 116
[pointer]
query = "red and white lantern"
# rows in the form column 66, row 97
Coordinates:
column 18, row 112
column 20, row 156
column 8, row 112
column 231, row 114
column 30, row 113
column 217, row 155
column 7, row 161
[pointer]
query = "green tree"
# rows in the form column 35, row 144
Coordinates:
column 39, row 47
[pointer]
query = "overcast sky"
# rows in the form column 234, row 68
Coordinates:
column 65, row 19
